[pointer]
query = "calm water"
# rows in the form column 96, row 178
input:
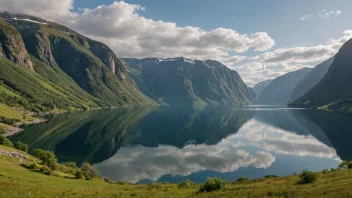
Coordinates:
column 174, row 144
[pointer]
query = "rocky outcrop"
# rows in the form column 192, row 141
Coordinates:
column 12, row 46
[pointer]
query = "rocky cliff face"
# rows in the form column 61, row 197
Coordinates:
column 12, row 46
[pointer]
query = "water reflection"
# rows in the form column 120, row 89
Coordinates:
column 173, row 144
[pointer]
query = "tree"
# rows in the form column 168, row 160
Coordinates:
column 21, row 146
column 89, row 171
column 48, row 158
column 212, row 184
column 345, row 164
column 6, row 142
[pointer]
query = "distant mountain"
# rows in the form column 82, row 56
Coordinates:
column 45, row 66
column 279, row 91
column 334, row 91
column 259, row 87
column 311, row 79
column 180, row 81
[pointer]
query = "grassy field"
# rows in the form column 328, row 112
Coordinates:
column 16, row 181
column 8, row 112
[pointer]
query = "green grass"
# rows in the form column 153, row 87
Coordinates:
column 8, row 112
column 16, row 181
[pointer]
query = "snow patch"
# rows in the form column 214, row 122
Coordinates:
column 29, row 20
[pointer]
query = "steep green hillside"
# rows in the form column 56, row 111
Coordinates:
column 180, row 81
column 279, row 91
column 311, row 79
column 92, row 65
column 334, row 91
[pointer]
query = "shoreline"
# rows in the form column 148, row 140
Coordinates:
column 13, row 130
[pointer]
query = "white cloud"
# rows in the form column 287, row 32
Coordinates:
column 305, row 17
column 327, row 14
column 136, row 163
column 121, row 27
column 290, row 59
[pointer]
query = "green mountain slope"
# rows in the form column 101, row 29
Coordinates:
column 311, row 79
column 48, row 67
column 279, row 91
column 180, row 81
column 334, row 91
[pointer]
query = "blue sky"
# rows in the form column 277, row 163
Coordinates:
column 261, row 39
column 281, row 19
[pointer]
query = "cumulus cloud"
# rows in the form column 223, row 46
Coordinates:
column 129, row 34
column 136, row 163
column 290, row 59
column 271, row 139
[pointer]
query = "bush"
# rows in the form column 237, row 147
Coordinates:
column 307, row 177
column 325, row 171
column 46, row 170
column 6, row 142
column 345, row 164
column 31, row 165
column 89, row 171
column 186, row 184
column 70, row 164
column 270, row 176
column 48, row 158
column 79, row 175
column 212, row 184
column 2, row 131
column 242, row 179
column 21, row 146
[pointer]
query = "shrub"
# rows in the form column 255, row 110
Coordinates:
column 70, row 164
column 46, row 170
column 6, row 142
column 212, row 184
column 79, row 174
column 21, row 146
column 271, row 176
column 325, row 171
column 30, row 165
column 65, row 169
column 186, row 184
column 2, row 131
column 345, row 164
column 48, row 158
column 242, row 179
column 307, row 177
column 89, row 171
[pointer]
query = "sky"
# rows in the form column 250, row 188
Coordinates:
column 261, row 39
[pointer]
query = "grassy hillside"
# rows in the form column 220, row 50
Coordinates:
column 16, row 181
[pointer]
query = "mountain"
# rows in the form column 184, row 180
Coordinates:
column 334, row 91
column 180, row 81
column 45, row 66
column 279, row 91
column 311, row 79
column 259, row 87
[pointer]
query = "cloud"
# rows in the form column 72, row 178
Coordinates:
column 122, row 28
column 136, row 163
column 290, row 59
column 306, row 17
column 327, row 14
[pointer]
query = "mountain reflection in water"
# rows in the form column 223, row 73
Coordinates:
column 177, row 143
